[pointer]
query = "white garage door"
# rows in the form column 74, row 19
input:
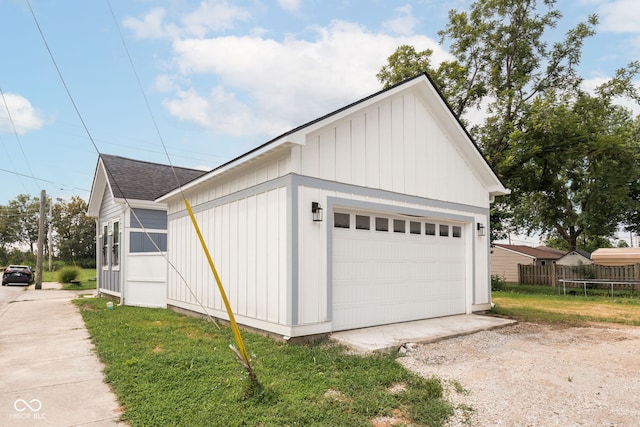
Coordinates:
column 390, row 269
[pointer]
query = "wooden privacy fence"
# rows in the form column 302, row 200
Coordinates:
column 551, row 275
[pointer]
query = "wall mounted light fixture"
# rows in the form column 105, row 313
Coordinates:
column 481, row 229
column 316, row 210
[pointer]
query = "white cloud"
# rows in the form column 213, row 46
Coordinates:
column 590, row 86
column 403, row 22
column 209, row 17
column 151, row 26
column 21, row 115
column 272, row 86
column 620, row 16
column 213, row 16
column 289, row 5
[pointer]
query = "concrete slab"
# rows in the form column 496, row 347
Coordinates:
column 391, row 337
column 49, row 372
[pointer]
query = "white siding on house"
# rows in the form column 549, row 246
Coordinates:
column 396, row 146
column 108, row 277
column 395, row 153
column 243, row 237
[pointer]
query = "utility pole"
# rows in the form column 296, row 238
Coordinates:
column 43, row 201
column 49, row 235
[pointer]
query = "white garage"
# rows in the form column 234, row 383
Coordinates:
column 389, row 269
column 374, row 214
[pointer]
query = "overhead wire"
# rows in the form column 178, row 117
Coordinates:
column 241, row 352
column 244, row 357
column 15, row 132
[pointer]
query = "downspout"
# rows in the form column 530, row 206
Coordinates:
column 121, row 261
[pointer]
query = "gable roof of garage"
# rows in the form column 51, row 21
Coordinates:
column 297, row 135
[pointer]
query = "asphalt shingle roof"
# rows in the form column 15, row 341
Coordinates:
column 541, row 252
column 140, row 180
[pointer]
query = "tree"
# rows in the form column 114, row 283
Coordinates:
column 502, row 61
column 20, row 221
column 74, row 232
column 573, row 164
column 450, row 77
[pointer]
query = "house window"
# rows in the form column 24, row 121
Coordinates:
column 105, row 246
column 415, row 227
column 341, row 220
column 429, row 229
column 444, row 230
column 116, row 244
column 363, row 222
column 382, row 224
column 399, row 225
column 456, row 231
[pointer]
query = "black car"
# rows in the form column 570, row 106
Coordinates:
column 18, row 274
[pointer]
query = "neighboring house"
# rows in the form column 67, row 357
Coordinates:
column 131, row 227
column 577, row 257
column 616, row 256
column 506, row 258
column 374, row 214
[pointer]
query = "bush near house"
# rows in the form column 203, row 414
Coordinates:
column 67, row 274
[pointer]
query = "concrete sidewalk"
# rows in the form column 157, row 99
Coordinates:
column 49, row 373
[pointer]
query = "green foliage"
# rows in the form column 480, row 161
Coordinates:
column 67, row 274
column 19, row 222
column 404, row 64
column 584, row 271
column 169, row 369
column 16, row 256
column 585, row 243
column 572, row 166
column 74, row 232
column 498, row 282
column 570, row 158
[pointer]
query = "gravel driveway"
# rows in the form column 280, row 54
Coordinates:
column 537, row 375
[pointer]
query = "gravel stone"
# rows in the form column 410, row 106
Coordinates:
column 530, row 374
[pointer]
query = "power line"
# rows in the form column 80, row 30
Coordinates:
column 15, row 132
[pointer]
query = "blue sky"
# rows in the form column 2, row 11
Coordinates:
column 220, row 77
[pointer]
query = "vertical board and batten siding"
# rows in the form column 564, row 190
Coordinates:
column 274, row 260
column 395, row 146
column 244, row 237
column 109, row 212
column 259, row 171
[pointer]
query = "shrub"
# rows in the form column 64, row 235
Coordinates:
column 497, row 282
column 67, row 274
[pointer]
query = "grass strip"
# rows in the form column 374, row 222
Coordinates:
column 543, row 304
column 172, row 370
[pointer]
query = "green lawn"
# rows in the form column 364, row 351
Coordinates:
column 172, row 370
column 545, row 304
column 87, row 279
